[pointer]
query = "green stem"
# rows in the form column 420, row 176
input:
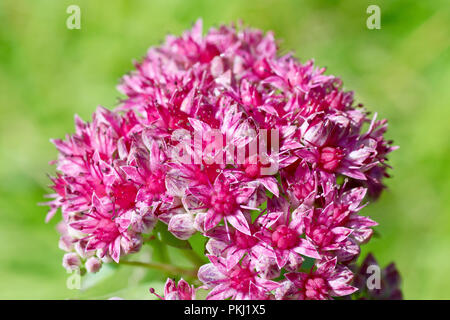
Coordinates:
column 174, row 270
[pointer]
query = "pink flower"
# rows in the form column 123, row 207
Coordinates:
column 330, row 240
column 224, row 202
column 147, row 171
column 265, row 156
column 103, row 233
column 240, row 283
column 282, row 234
column 301, row 184
column 180, row 291
column 331, row 143
column 337, row 228
column 234, row 244
column 328, row 280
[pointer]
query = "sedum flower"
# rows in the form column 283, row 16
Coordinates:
column 240, row 283
column 326, row 281
column 71, row 261
column 219, row 134
column 93, row 265
column 180, row 291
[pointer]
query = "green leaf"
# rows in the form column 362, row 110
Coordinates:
column 198, row 243
column 256, row 213
column 307, row 264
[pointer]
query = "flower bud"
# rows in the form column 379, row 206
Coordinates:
column 71, row 261
column 182, row 226
column 93, row 265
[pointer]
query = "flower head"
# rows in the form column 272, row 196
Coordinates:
column 265, row 156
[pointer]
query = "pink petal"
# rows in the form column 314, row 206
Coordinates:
column 239, row 222
column 306, row 248
column 212, row 219
column 220, row 292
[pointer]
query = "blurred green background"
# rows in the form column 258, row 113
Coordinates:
column 48, row 73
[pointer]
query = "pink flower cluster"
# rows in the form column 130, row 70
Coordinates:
column 291, row 234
